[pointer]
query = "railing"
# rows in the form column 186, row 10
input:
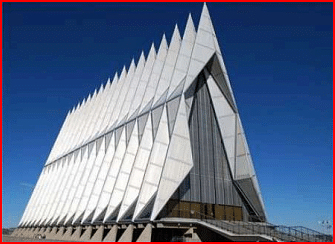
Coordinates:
column 280, row 232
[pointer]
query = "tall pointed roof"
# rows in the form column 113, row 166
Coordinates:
column 153, row 132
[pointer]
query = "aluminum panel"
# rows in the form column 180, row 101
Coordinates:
column 37, row 189
column 75, row 184
column 59, row 189
column 118, row 113
column 156, row 117
column 167, row 72
column 59, row 137
column 118, row 83
column 155, row 165
column 203, row 48
column 178, row 161
column 133, row 84
column 96, row 118
column 123, row 177
column 107, row 96
column 226, row 119
column 82, row 185
column 129, row 130
column 101, row 177
column 142, row 121
column 91, row 180
column 111, row 178
column 44, row 194
column 68, row 185
column 144, row 80
column 172, row 109
column 155, row 74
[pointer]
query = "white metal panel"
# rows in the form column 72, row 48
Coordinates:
column 203, row 48
column 55, row 151
column 170, row 61
column 219, row 55
column 68, row 185
column 100, row 100
column 243, row 169
column 54, row 171
column 155, row 165
column 90, row 117
column 124, row 173
column 37, row 188
column 144, row 80
column 55, row 190
column 146, row 144
column 133, row 87
column 111, row 105
column 258, row 190
column 98, row 186
column 95, row 110
column 226, row 120
column 123, row 94
column 76, row 126
column 155, row 74
column 82, row 165
column 97, row 117
column 37, row 191
column 43, row 194
column 60, row 135
column 107, row 102
column 90, row 181
column 189, row 36
column 82, row 184
column 178, row 161
column 82, row 121
column 61, row 190
column 111, row 177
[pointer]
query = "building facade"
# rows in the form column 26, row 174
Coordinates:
column 162, row 140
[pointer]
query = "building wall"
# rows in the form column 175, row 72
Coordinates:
column 208, row 189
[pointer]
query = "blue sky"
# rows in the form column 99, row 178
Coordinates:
column 278, row 56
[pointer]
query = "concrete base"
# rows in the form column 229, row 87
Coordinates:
column 97, row 237
column 111, row 236
column 32, row 232
column 146, row 234
column 16, row 232
column 23, row 232
column 48, row 230
column 51, row 235
column 59, row 234
column 28, row 232
column 67, row 235
column 76, row 234
column 87, row 234
column 41, row 231
column 127, row 236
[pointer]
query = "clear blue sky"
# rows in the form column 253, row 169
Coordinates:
column 278, row 56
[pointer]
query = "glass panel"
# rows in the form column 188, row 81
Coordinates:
column 229, row 212
column 238, row 214
column 219, row 212
column 185, row 209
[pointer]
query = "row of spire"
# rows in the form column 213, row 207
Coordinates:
column 152, row 51
column 70, row 136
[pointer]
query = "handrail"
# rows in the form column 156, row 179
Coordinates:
column 281, row 232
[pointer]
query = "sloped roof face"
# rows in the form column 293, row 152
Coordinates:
column 133, row 143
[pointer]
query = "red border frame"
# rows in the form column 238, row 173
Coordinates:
column 2, row 1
